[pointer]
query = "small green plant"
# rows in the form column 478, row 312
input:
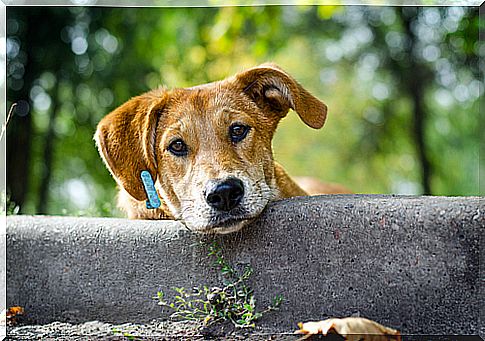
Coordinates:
column 234, row 301
column 128, row 335
column 10, row 206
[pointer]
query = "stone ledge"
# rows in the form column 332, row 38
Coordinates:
column 411, row 263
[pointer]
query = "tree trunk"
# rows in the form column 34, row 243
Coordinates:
column 19, row 131
column 39, row 57
column 42, row 203
column 415, row 78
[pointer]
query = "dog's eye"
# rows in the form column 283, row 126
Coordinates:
column 178, row 148
column 238, row 132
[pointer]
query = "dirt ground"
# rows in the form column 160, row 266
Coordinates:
column 155, row 330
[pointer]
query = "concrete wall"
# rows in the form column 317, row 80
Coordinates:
column 411, row 263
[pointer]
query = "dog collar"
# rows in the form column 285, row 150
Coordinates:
column 153, row 200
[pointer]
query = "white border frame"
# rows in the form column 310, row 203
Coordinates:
column 179, row 3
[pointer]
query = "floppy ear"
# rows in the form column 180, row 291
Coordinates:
column 273, row 89
column 126, row 140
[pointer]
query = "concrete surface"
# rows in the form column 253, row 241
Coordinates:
column 410, row 263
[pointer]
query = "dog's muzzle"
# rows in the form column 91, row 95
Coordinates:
column 226, row 195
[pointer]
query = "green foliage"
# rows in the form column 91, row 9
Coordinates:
column 233, row 302
column 75, row 64
column 11, row 207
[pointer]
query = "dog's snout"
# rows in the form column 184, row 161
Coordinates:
column 226, row 195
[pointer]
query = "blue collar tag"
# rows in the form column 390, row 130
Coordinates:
column 153, row 200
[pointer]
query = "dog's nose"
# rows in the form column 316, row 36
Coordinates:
column 226, row 195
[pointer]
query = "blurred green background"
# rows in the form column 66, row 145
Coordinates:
column 402, row 85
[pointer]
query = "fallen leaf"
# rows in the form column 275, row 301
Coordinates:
column 350, row 328
column 11, row 315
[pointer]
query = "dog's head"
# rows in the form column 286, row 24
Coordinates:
column 208, row 147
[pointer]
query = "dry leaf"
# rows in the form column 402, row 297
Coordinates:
column 350, row 328
column 11, row 315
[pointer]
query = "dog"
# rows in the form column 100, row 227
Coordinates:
column 206, row 150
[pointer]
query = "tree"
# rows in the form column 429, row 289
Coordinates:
column 394, row 80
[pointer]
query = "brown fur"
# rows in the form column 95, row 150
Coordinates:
column 135, row 137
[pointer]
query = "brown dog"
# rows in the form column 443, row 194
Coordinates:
column 208, row 148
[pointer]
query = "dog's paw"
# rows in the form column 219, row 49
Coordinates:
column 349, row 328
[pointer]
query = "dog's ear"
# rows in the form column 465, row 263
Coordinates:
column 126, row 140
column 273, row 89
